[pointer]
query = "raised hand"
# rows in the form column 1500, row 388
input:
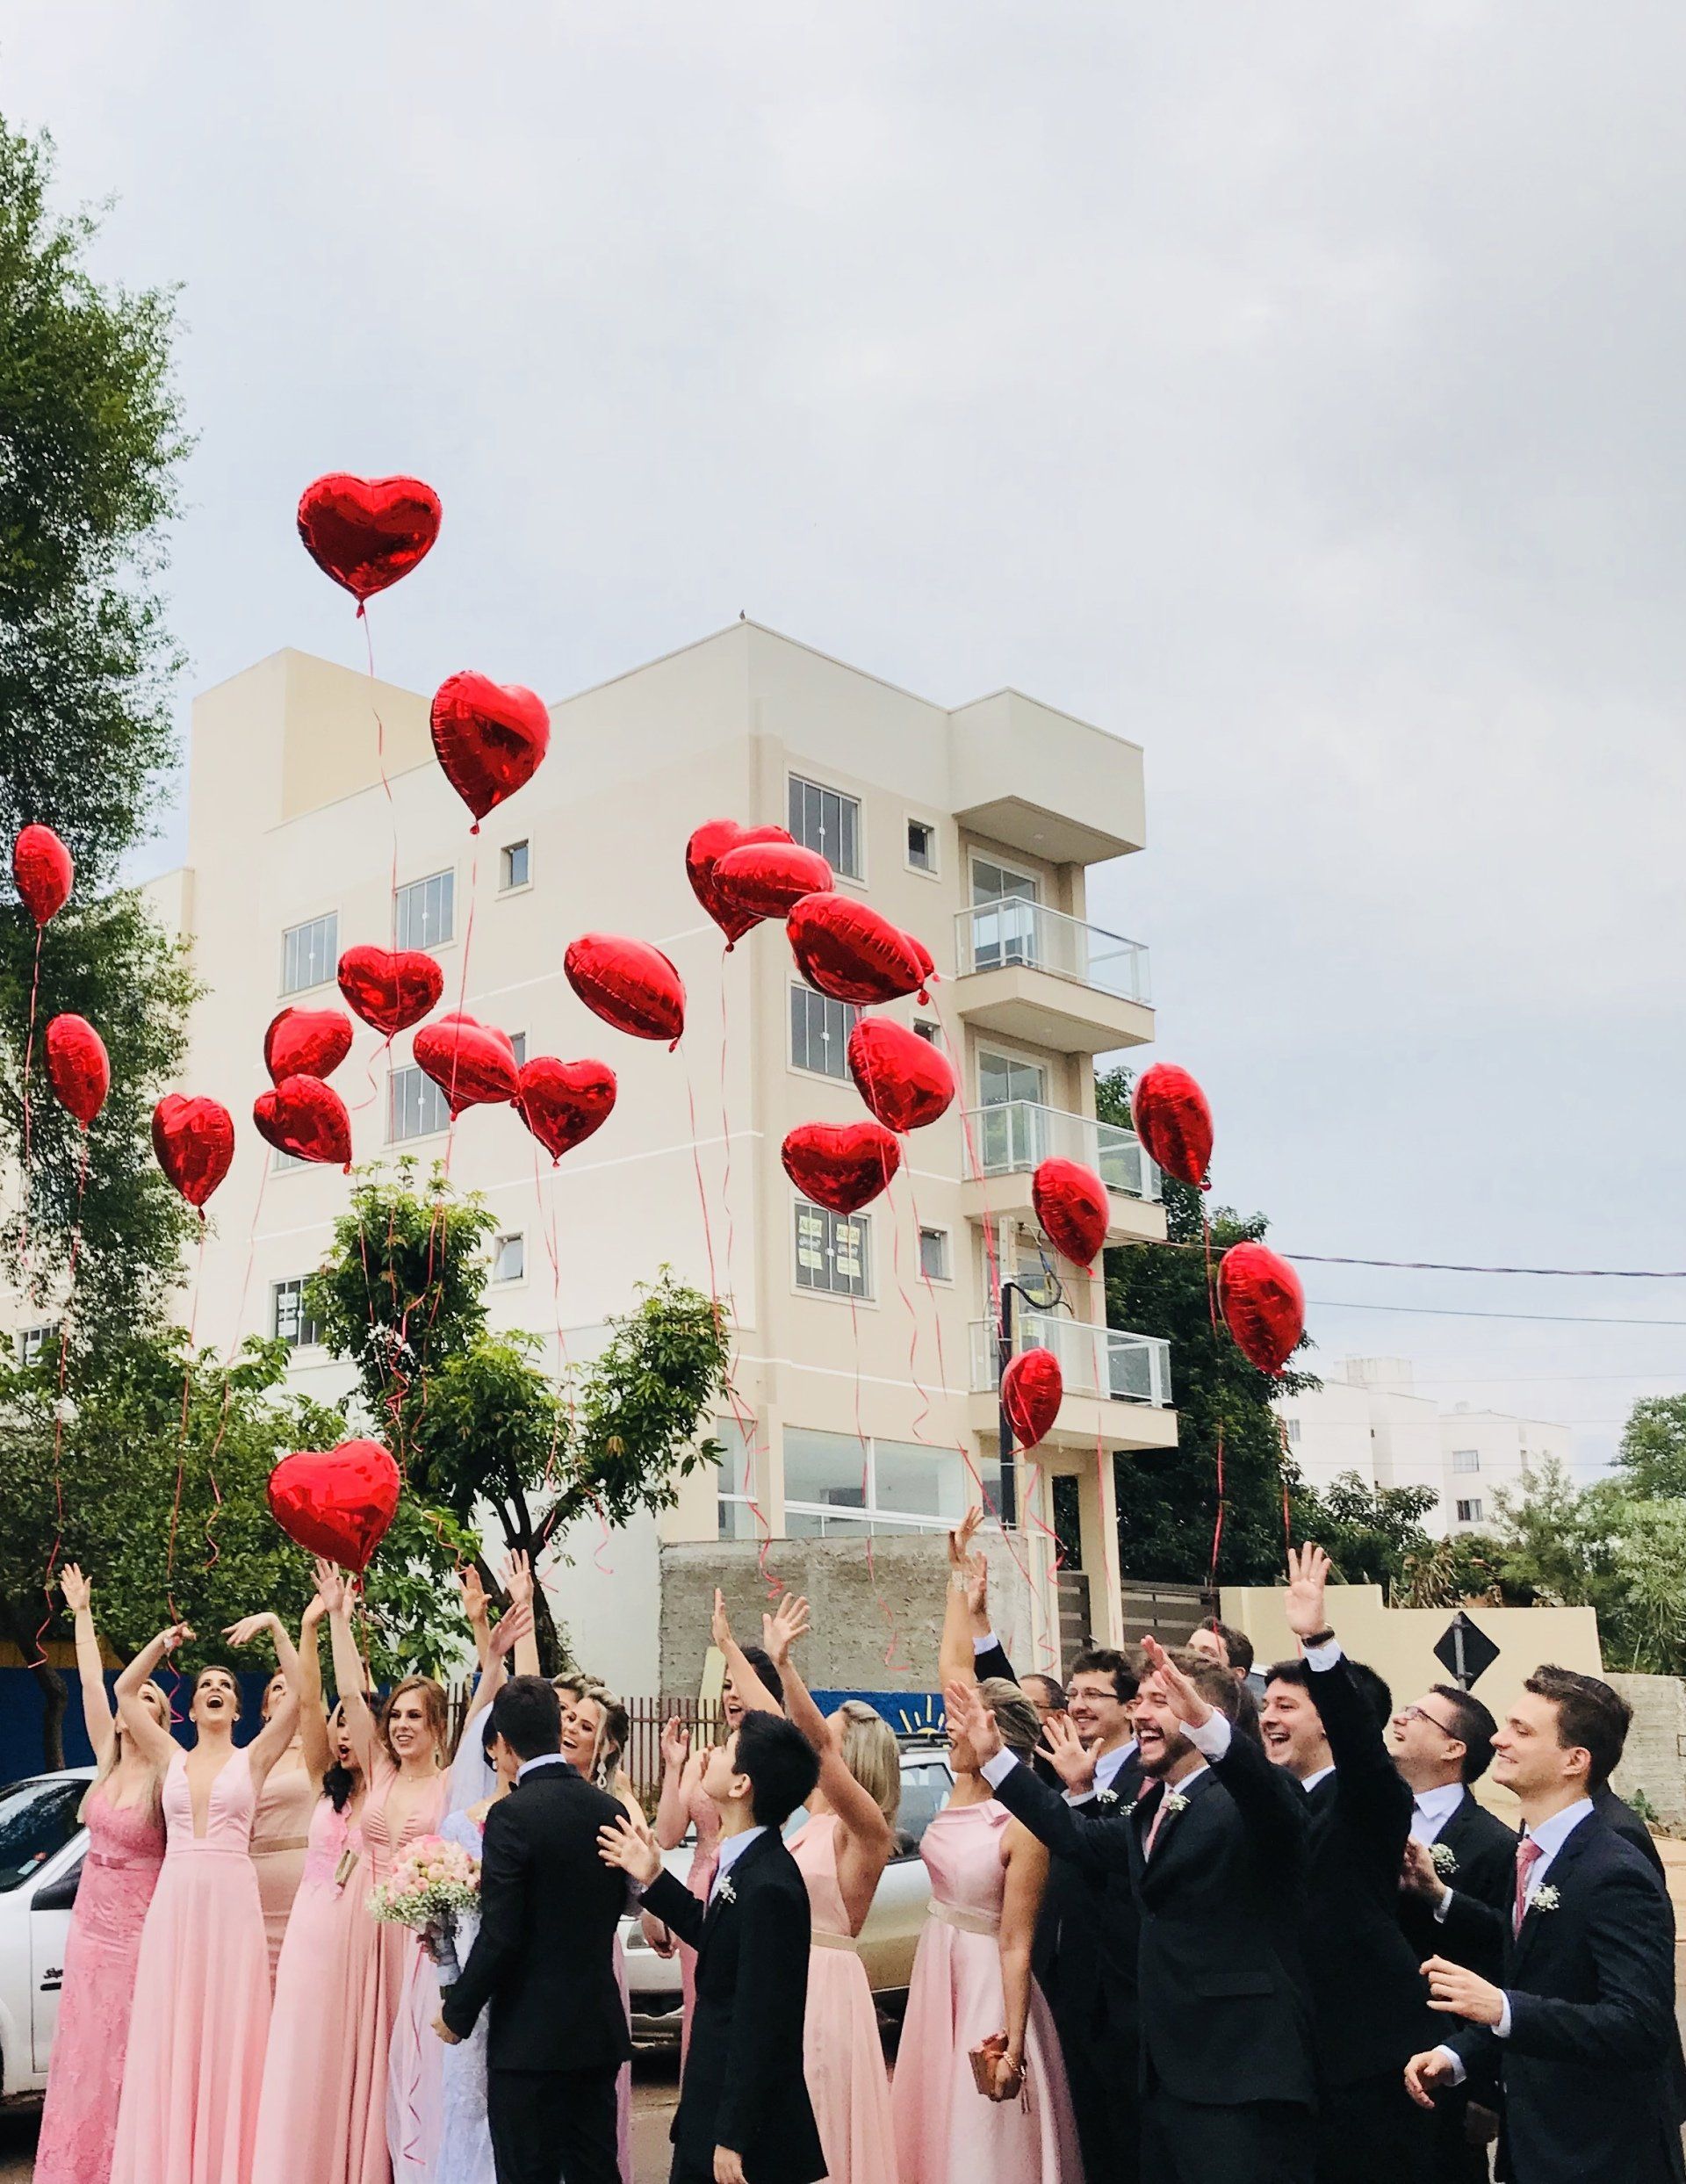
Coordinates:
column 516, row 1625
column 973, row 1720
column 1192, row 1709
column 1424, row 2072
column 247, row 1628
column 77, row 1589
column 473, row 1592
column 1303, row 1602
column 176, row 1634
column 517, row 1577
column 960, row 1540
column 1418, row 1874
column 630, row 1845
column 720, row 1622
column 977, row 1590
column 1064, row 1749
column 676, row 1744
column 330, row 1586
column 780, row 1630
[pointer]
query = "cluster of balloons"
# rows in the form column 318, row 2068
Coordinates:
column 78, row 1067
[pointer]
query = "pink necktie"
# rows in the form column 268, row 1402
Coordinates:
column 1528, row 1856
column 1153, row 1826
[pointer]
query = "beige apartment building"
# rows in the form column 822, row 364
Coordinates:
column 866, row 1362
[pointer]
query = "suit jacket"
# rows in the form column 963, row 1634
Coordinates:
column 1225, row 2014
column 1617, row 1813
column 1483, row 1877
column 545, row 1956
column 1088, row 1937
column 1588, row 2069
column 1372, row 2005
column 742, row 2085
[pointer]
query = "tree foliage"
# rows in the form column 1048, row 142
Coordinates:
column 1652, row 1456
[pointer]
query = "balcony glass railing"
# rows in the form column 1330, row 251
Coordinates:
column 997, row 935
column 1015, row 1135
column 1093, row 1361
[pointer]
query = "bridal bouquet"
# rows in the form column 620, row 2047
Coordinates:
column 430, row 1884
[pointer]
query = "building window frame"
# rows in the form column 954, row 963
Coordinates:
column 1466, row 1462
column 820, row 1008
column 429, row 1100
column 500, row 1246
column 850, row 1518
column 406, row 920
column 938, row 1265
column 831, row 838
column 912, row 822
column 1469, row 1512
column 819, row 1238
column 329, row 957
column 506, row 856
column 307, row 1331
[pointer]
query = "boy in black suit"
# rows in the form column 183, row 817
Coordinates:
column 1582, row 2030
column 744, row 2115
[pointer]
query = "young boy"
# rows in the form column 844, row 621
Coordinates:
column 744, row 2114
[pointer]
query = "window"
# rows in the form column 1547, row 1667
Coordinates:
column 833, row 1251
column 510, row 1259
column 826, row 820
column 741, row 1477
column 933, row 1254
column 515, row 867
column 848, row 1484
column 1465, row 1460
column 1002, row 1077
column 37, row 1820
column 1469, row 1512
column 282, row 1163
column 921, row 846
column 426, row 909
column 32, row 1342
column 1005, row 914
column 518, row 1040
column 291, row 1321
column 819, row 1032
column 1294, row 1432
column 933, row 1032
column 417, row 1108
column 310, row 954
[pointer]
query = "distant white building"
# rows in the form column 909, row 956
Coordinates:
column 1367, row 1418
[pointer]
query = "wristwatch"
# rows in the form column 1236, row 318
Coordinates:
column 1318, row 1637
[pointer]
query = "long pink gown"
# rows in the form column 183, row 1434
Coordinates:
column 194, row 2067
column 126, row 1851
column 381, row 1961
column 280, row 1839
column 843, row 2059
column 947, row 2132
column 704, row 1816
column 310, row 2080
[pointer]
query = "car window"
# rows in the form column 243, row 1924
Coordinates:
column 36, row 1819
column 925, row 1785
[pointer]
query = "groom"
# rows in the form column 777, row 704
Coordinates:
column 544, row 1958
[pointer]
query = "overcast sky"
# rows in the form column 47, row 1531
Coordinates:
column 1293, row 388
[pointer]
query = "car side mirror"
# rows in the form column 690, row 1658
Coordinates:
column 60, row 1894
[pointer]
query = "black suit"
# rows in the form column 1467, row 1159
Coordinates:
column 1225, row 2067
column 742, row 2085
column 544, row 1960
column 1589, row 2068
column 1371, row 2005
column 1617, row 1813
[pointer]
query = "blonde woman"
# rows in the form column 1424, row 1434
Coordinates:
column 842, row 1848
column 281, row 1830
column 125, row 1822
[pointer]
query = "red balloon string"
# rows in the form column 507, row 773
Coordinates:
column 1283, row 1462
column 893, row 1646
column 29, row 1051
column 1217, row 1528
column 58, row 1407
column 181, row 1438
column 213, row 1552
column 380, row 762
column 1211, row 1278
column 725, row 1131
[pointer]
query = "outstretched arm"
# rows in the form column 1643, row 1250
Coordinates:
column 956, row 1660
column 1370, row 1787
column 860, row 1816
column 147, row 1734
column 989, row 1654
column 1099, row 1845
column 348, row 1677
column 98, row 1716
column 1269, row 1801
column 518, row 1583
column 313, row 1715
column 672, row 1817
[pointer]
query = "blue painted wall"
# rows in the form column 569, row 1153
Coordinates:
column 21, row 1711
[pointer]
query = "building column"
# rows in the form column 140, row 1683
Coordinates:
column 1106, row 1581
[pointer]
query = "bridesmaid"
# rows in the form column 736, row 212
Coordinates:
column 125, row 1820
column 194, row 2067
column 842, row 1848
column 289, row 1796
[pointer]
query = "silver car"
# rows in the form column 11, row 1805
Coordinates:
column 42, row 1845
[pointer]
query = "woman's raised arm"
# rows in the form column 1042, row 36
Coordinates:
column 348, row 1678
column 99, row 1717
column 148, row 1735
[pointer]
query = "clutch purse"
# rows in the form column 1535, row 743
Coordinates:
column 984, row 2057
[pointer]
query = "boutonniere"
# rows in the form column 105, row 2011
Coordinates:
column 1446, row 1862
column 727, row 1892
column 1544, row 1898
column 1131, row 1807
column 1175, row 1803
column 1109, row 1797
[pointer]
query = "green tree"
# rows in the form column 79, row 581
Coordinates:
column 1372, row 1534
column 1652, row 1457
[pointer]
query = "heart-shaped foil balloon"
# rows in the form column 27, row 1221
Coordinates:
column 1033, row 1389
column 472, row 1063
column 390, row 989
column 337, row 1501
column 1072, row 1204
column 901, row 1077
column 1262, row 1304
column 840, row 1164
column 1174, row 1122
column 306, row 1118
column 843, row 947
column 78, row 1066
column 194, row 1141
column 367, row 533
column 307, row 1042
column 490, row 738
column 760, row 880
column 42, row 867
column 562, row 1102
column 708, row 845
column 628, row 983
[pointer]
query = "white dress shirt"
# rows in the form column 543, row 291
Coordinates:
column 732, row 1848
column 1431, row 1809
column 1107, row 1769
column 544, row 1759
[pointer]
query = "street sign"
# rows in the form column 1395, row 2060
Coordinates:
column 1466, row 1651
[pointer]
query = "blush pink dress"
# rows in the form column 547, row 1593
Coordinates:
column 947, row 2132
column 280, row 1839
column 126, row 1851
column 382, row 1957
column 843, row 2059
column 194, row 2067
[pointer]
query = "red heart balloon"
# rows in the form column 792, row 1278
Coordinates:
column 390, row 989
column 1174, row 1121
column 562, row 1102
column 901, row 1077
column 307, row 1042
column 306, row 1118
column 704, row 850
column 628, row 983
column 840, row 1164
column 367, row 533
column 1072, row 1204
column 1032, row 1389
column 1262, row 1304
column 78, row 1065
column 194, row 1140
column 760, row 880
column 472, row 1063
column 490, row 738
column 337, row 1501
column 845, row 949
column 42, row 869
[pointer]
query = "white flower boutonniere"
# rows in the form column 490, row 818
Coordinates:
column 1445, row 1863
column 1175, row 1803
column 727, row 1892
column 1131, row 1807
column 1107, row 1797
column 1544, row 1898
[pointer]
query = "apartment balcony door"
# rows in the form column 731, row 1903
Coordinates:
column 1003, row 915
column 1013, row 1096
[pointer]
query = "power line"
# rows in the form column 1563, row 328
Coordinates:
column 1466, row 1312
column 1460, row 1266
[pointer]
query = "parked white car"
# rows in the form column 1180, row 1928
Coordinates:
column 42, row 1845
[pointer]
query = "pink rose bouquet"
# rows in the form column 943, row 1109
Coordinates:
column 429, row 1886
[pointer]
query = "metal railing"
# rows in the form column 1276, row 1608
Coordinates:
column 997, row 935
column 1017, row 1134
column 1093, row 1361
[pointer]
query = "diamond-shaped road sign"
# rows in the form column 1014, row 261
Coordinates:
column 1466, row 1651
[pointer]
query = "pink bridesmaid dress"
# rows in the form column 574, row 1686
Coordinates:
column 280, row 1839
column 126, row 1851
column 304, row 2117
column 381, row 1960
column 194, row 2067
column 947, row 2132
column 843, row 2059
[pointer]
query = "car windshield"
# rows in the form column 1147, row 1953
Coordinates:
column 36, row 1819
column 925, row 1785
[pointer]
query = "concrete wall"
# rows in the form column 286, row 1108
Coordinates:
column 1655, row 1759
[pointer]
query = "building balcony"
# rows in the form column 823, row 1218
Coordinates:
column 1006, row 1143
column 1033, row 974
column 1117, row 1384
